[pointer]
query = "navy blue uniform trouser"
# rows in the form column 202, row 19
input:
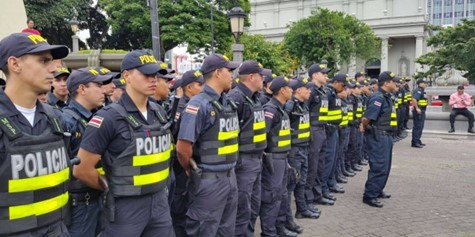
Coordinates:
column 57, row 229
column 418, row 126
column 180, row 200
column 145, row 216
column 406, row 115
column 464, row 112
column 316, row 164
column 248, row 177
column 380, row 157
column 343, row 140
column 213, row 206
column 330, row 157
column 85, row 219
column 299, row 161
column 273, row 189
column 352, row 154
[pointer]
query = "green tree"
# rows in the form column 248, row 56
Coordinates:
column 331, row 35
column 270, row 54
column 455, row 48
column 181, row 21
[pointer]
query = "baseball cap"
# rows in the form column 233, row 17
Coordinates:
column 386, row 76
column 190, row 77
column 106, row 72
column 372, row 82
column 280, row 82
column 142, row 61
column 269, row 78
column 119, row 82
column 175, row 84
column 83, row 76
column 341, row 77
column 317, row 68
column 302, row 82
column 61, row 71
column 397, row 79
column 19, row 44
column 165, row 72
column 251, row 66
column 359, row 74
column 217, row 61
column 419, row 81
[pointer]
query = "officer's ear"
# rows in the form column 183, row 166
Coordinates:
column 126, row 76
column 81, row 89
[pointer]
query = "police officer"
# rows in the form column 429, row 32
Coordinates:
column 343, row 134
column 119, row 89
column 407, row 99
column 274, row 181
column 419, row 102
column 252, row 142
column 207, row 150
column 266, row 93
column 318, row 106
column 162, row 94
column 129, row 138
column 192, row 84
column 31, row 208
column 298, row 159
column 110, row 87
column 353, row 154
column 378, row 124
column 85, row 86
column 58, row 96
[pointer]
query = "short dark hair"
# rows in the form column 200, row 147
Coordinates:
column 460, row 87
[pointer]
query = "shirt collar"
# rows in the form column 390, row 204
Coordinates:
column 211, row 92
column 276, row 102
column 245, row 90
column 127, row 102
column 78, row 107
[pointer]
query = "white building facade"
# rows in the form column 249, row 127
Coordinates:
column 400, row 24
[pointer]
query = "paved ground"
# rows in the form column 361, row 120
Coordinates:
column 433, row 194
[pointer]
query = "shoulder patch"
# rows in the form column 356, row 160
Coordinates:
column 191, row 109
column 377, row 103
column 269, row 115
column 96, row 121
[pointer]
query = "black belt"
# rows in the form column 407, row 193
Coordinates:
column 87, row 196
column 318, row 127
column 216, row 175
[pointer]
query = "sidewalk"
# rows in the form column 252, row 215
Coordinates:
column 433, row 194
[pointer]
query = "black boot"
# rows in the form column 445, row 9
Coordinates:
column 452, row 129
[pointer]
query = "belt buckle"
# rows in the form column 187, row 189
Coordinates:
column 87, row 197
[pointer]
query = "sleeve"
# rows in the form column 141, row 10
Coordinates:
column 269, row 114
column 373, row 108
column 236, row 98
column 99, row 132
column 452, row 100
column 192, row 121
column 417, row 95
column 467, row 99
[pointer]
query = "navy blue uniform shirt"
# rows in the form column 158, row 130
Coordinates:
column 377, row 104
column 74, row 126
column 111, row 133
column 236, row 96
column 264, row 97
column 55, row 102
column 418, row 94
column 273, row 115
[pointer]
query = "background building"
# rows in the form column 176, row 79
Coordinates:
column 449, row 12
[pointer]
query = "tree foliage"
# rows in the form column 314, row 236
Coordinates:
column 270, row 54
column 331, row 35
column 455, row 48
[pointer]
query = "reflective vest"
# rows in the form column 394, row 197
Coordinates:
column 279, row 138
column 300, row 124
column 422, row 102
column 344, row 114
column 388, row 118
column 407, row 97
column 318, row 107
column 351, row 114
column 219, row 144
column 143, row 166
column 252, row 135
column 34, row 176
column 359, row 108
column 334, row 109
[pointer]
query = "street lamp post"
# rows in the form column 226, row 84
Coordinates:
column 236, row 18
column 75, row 28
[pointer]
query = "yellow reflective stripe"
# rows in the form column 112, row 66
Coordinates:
column 304, row 125
column 334, row 117
column 101, row 171
column 422, row 102
column 151, row 178
column 259, row 138
column 259, row 125
column 151, row 159
column 393, row 115
column 284, row 132
column 228, row 149
column 322, row 118
column 223, row 136
column 359, row 110
column 334, row 112
column 323, row 109
column 39, row 182
column 38, row 208
column 283, row 143
column 393, row 123
column 304, row 135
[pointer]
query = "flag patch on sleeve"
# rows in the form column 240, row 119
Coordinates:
column 269, row 115
column 96, row 121
column 377, row 103
column 191, row 109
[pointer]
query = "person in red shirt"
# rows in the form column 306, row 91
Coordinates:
column 459, row 102
column 30, row 23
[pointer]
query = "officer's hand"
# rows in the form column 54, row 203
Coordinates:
column 362, row 130
column 418, row 110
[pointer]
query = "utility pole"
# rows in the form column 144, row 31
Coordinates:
column 212, row 26
column 155, row 28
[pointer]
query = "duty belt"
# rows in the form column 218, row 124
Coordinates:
column 84, row 197
column 279, row 156
column 216, row 175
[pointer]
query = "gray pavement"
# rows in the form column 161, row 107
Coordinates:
column 433, row 194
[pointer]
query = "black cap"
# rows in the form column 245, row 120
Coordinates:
column 341, row 77
column 119, row 83
column 397, row 79
column 83, row 76
column 61, row 71
column 317, row 68
column 191, row 76
column 269, row 78
column 19, row 44
column 217, row 61
column 251, row 66
column 302, row 82
column 165, row 72
column 175, row 84
column 372, row 82
column 106, row 72
column 386, row 76
column 407, row 79
column 419, row 81
column 359, row 74
column 142, row 61
column 280, row 82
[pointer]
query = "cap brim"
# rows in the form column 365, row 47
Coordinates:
column 325, row 70
column 61, row 73
column 149, row 69
column 104, row 79
column 57, row 51
column 232, row 65
column 266, row 72
column 166, row 76
column 292, row 84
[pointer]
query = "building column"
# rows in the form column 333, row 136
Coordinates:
column 419, row 50
column 384, row 53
